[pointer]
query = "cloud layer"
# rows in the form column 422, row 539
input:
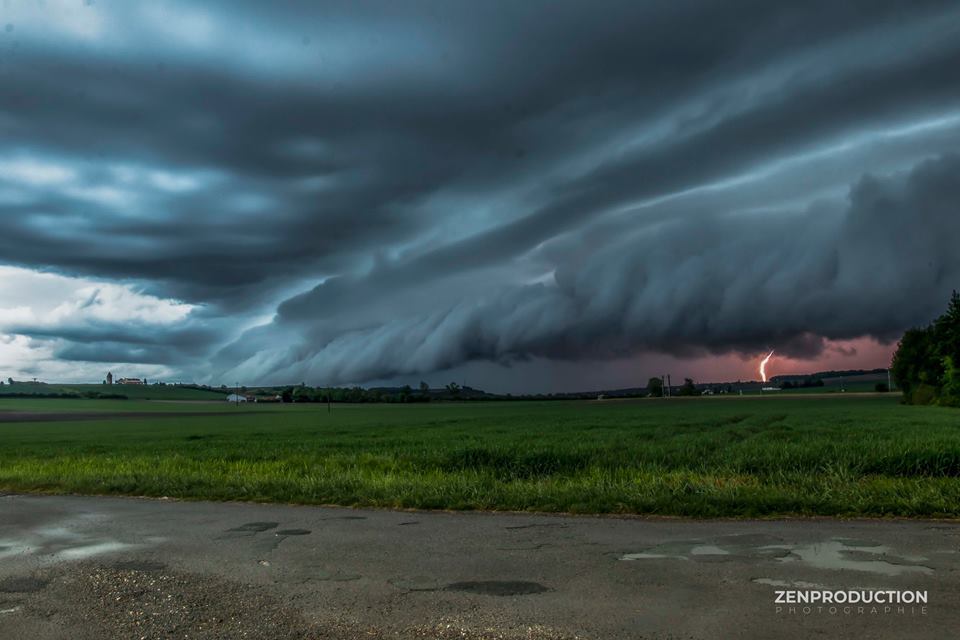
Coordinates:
column 386, row 191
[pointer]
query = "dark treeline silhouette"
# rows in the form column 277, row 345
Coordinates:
column 926, row 365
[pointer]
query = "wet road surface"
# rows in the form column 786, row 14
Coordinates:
column 76, row 567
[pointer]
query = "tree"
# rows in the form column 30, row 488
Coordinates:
column 10, row 381
column 287, row 395
column 454, row 389
column 925, row 365
column 424, row 388
column 302, row 394
column 950, row 394
column 655, row 387
column 688, row 388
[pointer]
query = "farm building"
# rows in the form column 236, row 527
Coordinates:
column 235, row 397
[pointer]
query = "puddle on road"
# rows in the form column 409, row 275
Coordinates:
column 799, row 584
column 293, row 532
column 677, row 551
column 62, row 542
column 90, row 550
column 838, row 554
column 13, row 610
column 708, row 550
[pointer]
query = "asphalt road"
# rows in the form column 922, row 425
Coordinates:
column 76, row 568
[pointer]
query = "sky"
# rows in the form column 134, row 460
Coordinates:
column 536, row 196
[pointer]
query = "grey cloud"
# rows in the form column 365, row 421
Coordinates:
column 390, row 179
column 140, row 342
column 788, row 282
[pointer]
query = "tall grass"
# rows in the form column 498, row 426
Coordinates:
column 704, row 457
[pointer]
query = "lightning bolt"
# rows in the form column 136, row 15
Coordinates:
column 763, row 366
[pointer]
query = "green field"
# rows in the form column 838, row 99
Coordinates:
column 852, row 455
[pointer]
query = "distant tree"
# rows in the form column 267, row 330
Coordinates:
column 454, row 389
column 424, row 388
column 881, row 387
column 287, row 395
column 10, row 381
column 302, row 394
column 655, row 387
column 688, row 388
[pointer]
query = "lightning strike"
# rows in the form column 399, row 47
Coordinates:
column 763, row 366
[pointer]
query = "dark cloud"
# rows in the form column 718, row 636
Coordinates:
column 886, row 262
column 412, row 187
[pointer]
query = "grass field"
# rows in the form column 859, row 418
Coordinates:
column 853, row 455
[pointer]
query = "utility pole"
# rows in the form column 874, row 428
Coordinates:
column 236, row 394
column 889, row 380
column 669, row 384
column 663, row 386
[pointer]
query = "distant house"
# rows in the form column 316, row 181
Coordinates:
column 268, row 399
column 765, row 389
column 235, row 397
column 131, row 381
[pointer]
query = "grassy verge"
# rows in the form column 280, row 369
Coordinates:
column 705, row 457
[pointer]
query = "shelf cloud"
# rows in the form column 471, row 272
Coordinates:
column 347, row 193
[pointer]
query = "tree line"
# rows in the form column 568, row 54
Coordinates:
column 926, row 365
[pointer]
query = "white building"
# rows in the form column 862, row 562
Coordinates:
column 233, row 397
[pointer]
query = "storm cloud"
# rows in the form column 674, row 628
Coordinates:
column 344, row 192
